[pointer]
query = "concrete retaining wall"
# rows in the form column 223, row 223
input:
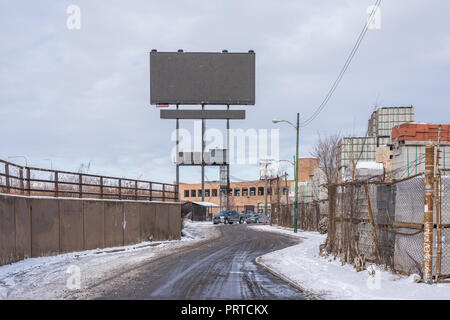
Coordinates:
column 35, row 227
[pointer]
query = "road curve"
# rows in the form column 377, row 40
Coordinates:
column 222, row 268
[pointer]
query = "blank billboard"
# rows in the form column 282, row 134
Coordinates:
column 202, row 78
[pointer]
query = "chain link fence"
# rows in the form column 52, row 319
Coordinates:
column 443, row 226
column 383, row 223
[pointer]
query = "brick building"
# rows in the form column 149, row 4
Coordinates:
column 248, row 195
column 306, row 167
column 408, row 144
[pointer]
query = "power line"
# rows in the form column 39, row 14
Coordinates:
column 344, row 68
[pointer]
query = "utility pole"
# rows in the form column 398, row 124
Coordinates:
column 176, row 157
column 438, row 207
column 228, row 163
column 266, row 162
column 297, row 128
column 287, row 194
column 428, row 214
column 296, row 176
column 265, row 187
column 203, row 160
column 278, row 200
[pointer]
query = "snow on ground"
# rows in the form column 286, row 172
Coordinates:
column 55, row 277
column 327, row 278
column 197, row 230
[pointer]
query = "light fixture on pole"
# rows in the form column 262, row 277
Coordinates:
column 297, row 127
column 23, row 157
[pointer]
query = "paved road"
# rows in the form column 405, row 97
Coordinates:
column 222, row 268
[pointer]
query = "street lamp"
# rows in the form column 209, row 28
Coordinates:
column 23, row 157
column 291, row 162
column 51, row 163
column 295, row 166
column 266, row 162
column 51, row 167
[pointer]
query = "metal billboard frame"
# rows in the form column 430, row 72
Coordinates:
column 203, row 114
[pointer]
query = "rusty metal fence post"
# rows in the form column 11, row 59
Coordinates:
column 428, row 214
column 28, row 182
column 8, row 189
column 101, row 187
column 150, row 190
column 80, row 185
column 136, row 190
column 372, row 222
column 22, row 188
column 56, row 184
column 438, row 219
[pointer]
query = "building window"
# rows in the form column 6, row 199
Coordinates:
column 268, row 209
column 269, row 190
column 214, row 192
column 245, row 192
column 253, row 191
column 230, row 192
column 260, row 191
column 285, row 190
column 237, row 192
column 186, row 193
column 193, row 193
column 207, row 193
column 199, row 192
column 260, row 207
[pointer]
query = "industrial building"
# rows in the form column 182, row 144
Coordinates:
column 408, row 147
column 380, row 124
column 383, row 120
column 246, row 195
column 251, row 195
column 355, row 149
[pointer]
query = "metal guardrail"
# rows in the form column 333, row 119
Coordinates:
column 23, row 180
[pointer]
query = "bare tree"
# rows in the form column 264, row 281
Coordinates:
column 327, row 151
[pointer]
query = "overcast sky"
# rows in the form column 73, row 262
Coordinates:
column 79, row 96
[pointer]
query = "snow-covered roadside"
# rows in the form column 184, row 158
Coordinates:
column 328, row 279
column 47, row 277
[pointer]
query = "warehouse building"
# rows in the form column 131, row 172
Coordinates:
column 383, row 120
column 380, row 124
column 246, row 195
column 251, row 195
column 408, row 150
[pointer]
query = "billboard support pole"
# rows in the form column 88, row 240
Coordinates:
column 228, row 164
column 203, row 160
column 178, row 166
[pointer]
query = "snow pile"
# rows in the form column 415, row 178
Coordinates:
column 197, row 230
column 302, row 265
column 47, row 277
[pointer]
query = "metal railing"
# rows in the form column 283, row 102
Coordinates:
column 30, row 181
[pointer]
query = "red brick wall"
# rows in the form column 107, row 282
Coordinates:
column 420, row 132
column 306, row 167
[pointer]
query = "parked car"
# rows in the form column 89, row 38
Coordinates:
column 257, row 218
column 228, row 217
column 263, row 218
column 252, row 218
column 246, row 214
column 220, row 218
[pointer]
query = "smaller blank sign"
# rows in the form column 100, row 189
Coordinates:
column 202, row 114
